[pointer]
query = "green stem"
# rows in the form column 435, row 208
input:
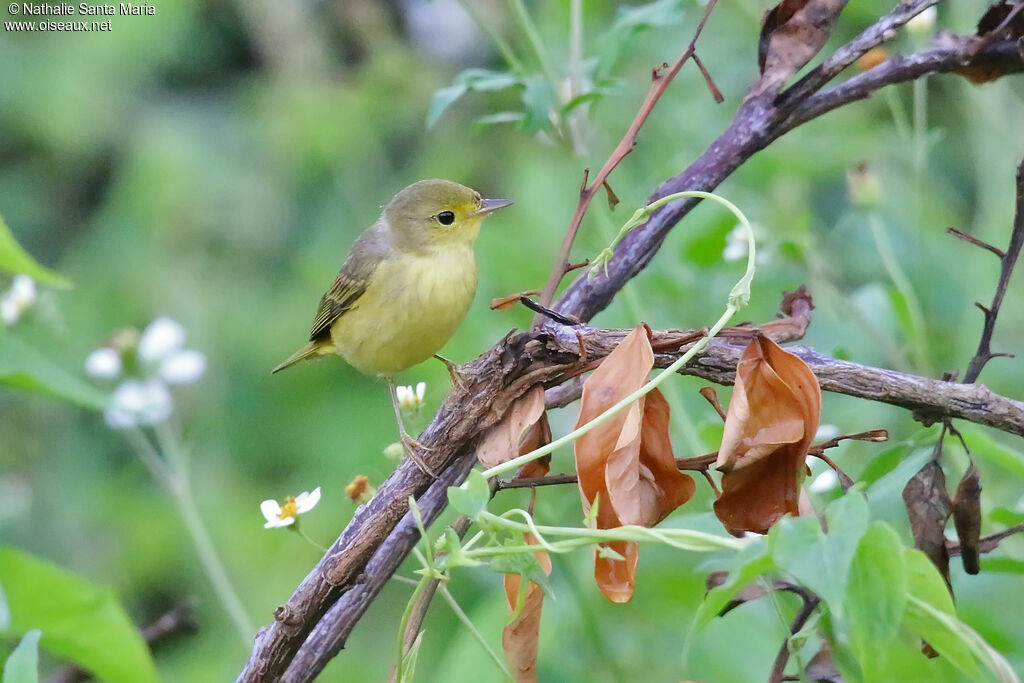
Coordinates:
column 499, row 42
column 467, row 622
column 679, row 413
column 738, row 298
column 213, row 567
column 918, row 331
column 305, row 537
column 526, row 23
column 920, row 126
column 169, row 471
column 404, row 623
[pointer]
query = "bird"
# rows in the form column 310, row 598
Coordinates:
column 404, row 287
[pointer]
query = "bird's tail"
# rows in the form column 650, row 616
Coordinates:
column 313, row 348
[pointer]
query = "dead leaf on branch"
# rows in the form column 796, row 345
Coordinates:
column 501, row 442
column 538, row 435
column 929, row 507
column 626, row 463
column 772, row 418
column 967, row 518
column 792, row 33
column 1002, row 21
column 520, row 637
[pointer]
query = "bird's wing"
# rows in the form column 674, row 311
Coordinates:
column 366, row 254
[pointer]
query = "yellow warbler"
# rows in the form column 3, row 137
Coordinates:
column 405, row 286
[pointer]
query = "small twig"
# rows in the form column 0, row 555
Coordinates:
column 779, row 667
column 711, row 396
column 541, row 309
column 1007, row 262
column 660, row 83
column 987, row 544
column 715, row 92
column 976, row 242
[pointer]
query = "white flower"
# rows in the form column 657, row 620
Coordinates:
column 162, row 337
column 18, row 299
column 183, row 367
column 409, row 399
column 825, row 481
column 285, row 515
column 137, row 403
column 104, row 363
column 922, row 23
column 735, row 244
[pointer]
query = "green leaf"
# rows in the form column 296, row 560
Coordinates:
column 500, row 117
column 23, row 664
column 930, row 613
column 471, row 79
column 752, row 561
column 81, row 622
column 525, row 564
column 876, row 595
column 442, row 99
column 23, row 367
column 471, row 498
column 16, row 260
column 410, row 657
column 539, row 99
column 817, row 560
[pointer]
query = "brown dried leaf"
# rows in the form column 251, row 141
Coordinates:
column 627, row 461
column 503, row 303
column 995, row 24
column 519, row 639
column 929, row 507
column 501, row 442
column 791, row 34
column 539, row 434
column 772, row 418
column 967, row 518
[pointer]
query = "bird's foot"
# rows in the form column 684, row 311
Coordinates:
column 458, row 377
column 411, row 446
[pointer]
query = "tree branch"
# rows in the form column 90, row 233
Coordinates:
column 757, row 124
column 378, row 537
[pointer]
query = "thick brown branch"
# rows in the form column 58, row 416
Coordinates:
column 757, row 124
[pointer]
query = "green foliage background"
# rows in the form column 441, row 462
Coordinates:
column 213, row 163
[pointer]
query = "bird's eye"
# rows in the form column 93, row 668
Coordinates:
column 446, row 218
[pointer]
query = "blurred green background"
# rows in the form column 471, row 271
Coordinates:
column 213, row 163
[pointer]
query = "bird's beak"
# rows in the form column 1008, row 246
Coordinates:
column 490, row 205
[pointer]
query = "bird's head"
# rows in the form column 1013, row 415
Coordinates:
column 437, row 213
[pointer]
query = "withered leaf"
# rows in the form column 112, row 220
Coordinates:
column 539, row 434
column 967, row 518
column 793, row 32
column 929, row 507
column 991, row 28
column 503, row 303
column 627, row 461
column 772, row 418
column 520, row 637
column 501, row 442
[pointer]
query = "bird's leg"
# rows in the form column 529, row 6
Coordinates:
column 455, row 372
column 410, row 444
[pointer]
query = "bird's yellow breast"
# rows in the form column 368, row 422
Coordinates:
column 411, row 307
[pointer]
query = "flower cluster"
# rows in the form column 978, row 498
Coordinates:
column 150, row 362
column 18, row 299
